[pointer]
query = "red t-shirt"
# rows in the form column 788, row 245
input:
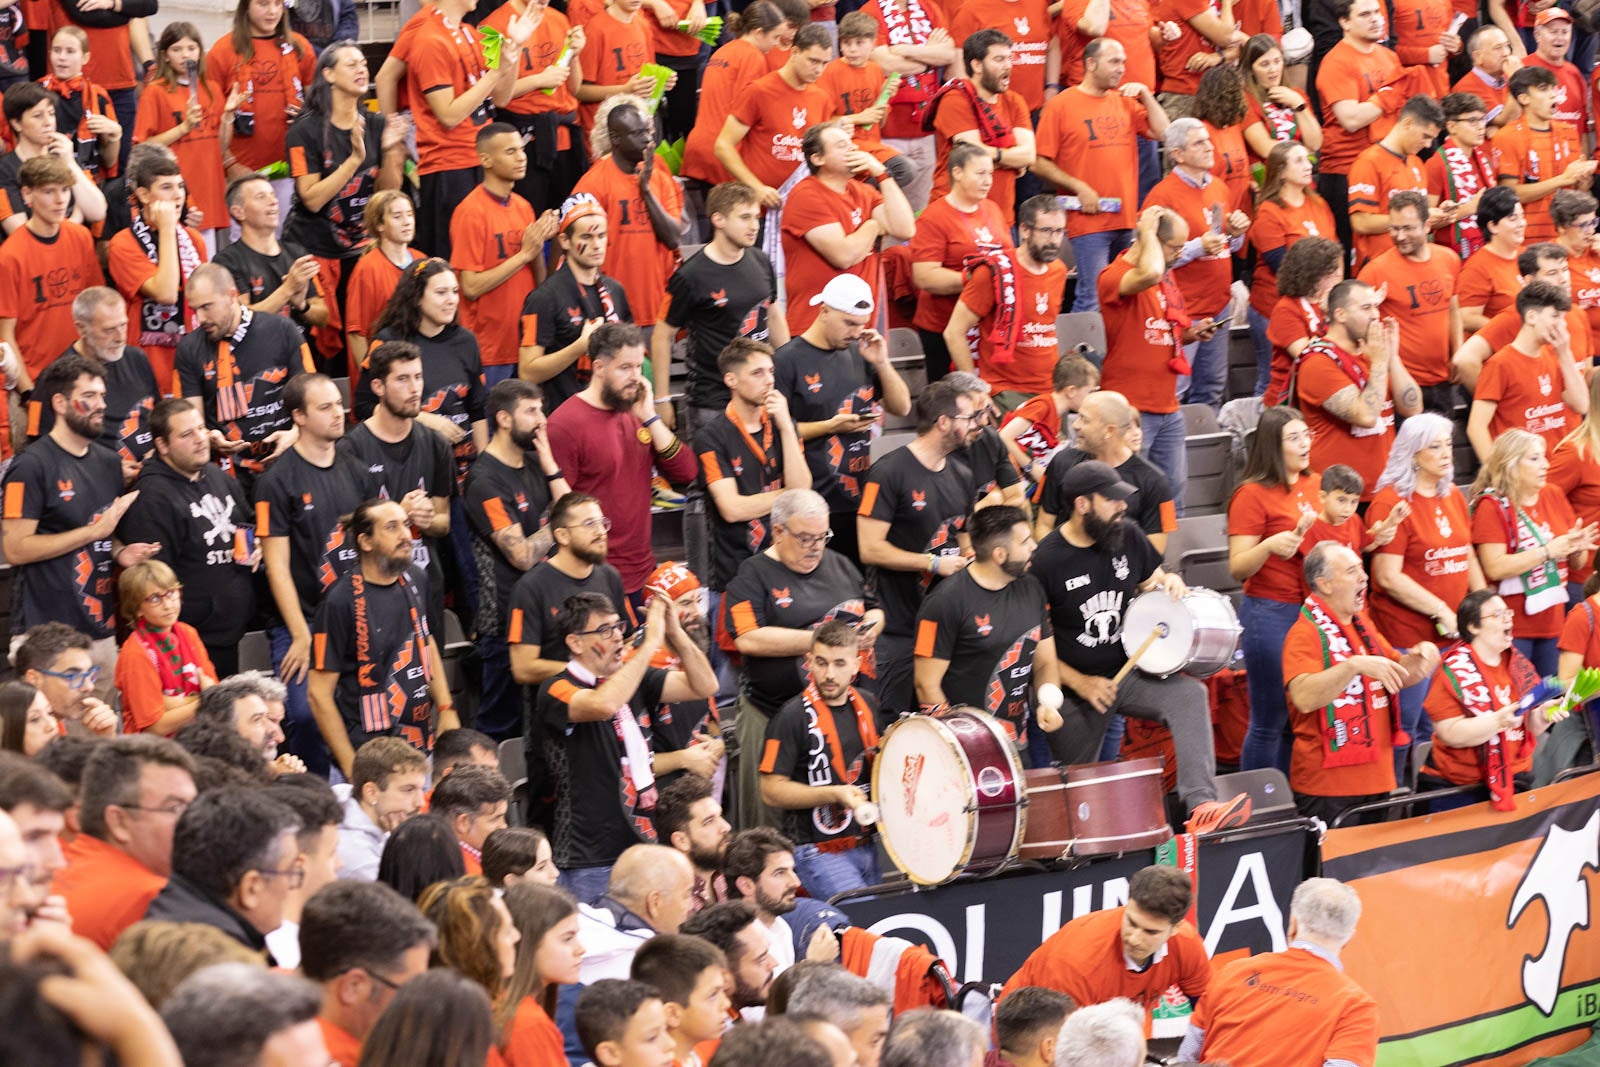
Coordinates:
column 1577, row 474
column 106, row 889
column 947, row 236
column 1261, row 511
column 39, row 279
column 1096, row 138
column 1585, row 273
column 162, row 107
column 1278, row 226
column 1204, row 281
column 1488, row 281
column 1418, row 25
column 1323, row 1015
column 1435, row 546
column 1526, row 391
column 1526, row 156
column 541, row 51
column 811, row 205
column 1375, row 176
column 1418, row 299
column 1038, row 302
column 1173, row 57
column 1552, row 516
column 277, row 77
column 1581, row 634
column 1572, row 96
column 1302, row 654
column 1128, row 23
column 956, row 116
column 1347, row 73
column 633, row 255
column 1041, row 437
column 730, row 70
column 1231, row 165
column 1492, row 95
column 1294, row 318
column 444, row 55
column 613, row 52
column 1084, row 959
column 778, row 116
column 1333, row 439
column 1027, row 23
column 904, row 118
column 110, row 62
column 1141, row 343
column 1460, row 766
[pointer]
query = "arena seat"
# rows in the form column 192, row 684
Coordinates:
column 255, row 651
column 1081, row 327
column 1210, row 452
column 1271, row 799
column 514, row 767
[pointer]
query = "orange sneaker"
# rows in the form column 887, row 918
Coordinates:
column 1214, row 815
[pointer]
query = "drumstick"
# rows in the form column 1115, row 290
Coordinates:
column 1133, row 659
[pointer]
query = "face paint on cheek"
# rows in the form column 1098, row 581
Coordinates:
column 82, row 408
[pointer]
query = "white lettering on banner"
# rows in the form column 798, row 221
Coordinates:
column 1157, row 331
column 1556, row 877
column 1441, row 561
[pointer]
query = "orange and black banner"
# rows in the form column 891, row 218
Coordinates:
column 1478, row 935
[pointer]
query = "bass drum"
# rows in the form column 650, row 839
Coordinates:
column 1197, row 635
column 950, row 794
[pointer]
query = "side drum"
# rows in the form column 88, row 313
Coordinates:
column 1198, row 634
column 1116, row 806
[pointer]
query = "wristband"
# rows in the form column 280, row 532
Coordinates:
column 556, row 476
column 1299, row 108
column 651, row 421
column 933, row 563
column 1052, row 85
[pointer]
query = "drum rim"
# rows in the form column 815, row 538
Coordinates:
column 1208, row 667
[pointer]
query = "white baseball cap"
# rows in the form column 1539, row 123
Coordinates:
column 846, row 293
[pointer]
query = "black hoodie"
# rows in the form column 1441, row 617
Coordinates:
column 195, row 521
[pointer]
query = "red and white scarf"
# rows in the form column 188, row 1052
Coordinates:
column 1347, row 722
column 992, row 129
column 161, row 324
column 1496, row 755
column 1281, row 124
column 1005, row 324
column 911, row 26
column 1466, row 174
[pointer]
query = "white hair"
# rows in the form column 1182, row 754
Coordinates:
column 599, row 136
column 1102, row 1035
column 797, row 502
column 933, row 1037
column 1178, row 132
column 1326, row 909
column 1415, row 434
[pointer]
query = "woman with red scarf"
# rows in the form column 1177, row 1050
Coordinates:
column 1480, row 736
column 163, row 666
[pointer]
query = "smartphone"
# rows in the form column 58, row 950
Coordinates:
column 1220, row 323
column 1215, row 213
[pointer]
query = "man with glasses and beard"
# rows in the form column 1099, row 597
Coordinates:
column 769, row 609
column 508, row 489
column 201, row 519
column 63, row 500
column 376, row 670
column 1012, row 297
column 413, row 465
column 1091, row 569
column 611, row 443
column 588, row 719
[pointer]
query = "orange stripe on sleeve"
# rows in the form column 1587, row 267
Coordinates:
column 1169, row 516
column 305, row 359
column 927, row 634
column 869, row 497
column 711, row 468
column 319, row 651
column 666, row 306
column 769, row 756
column 297, row 162
column 495, row 510
column 530, row 331
column 744, row 618
column 514, row 631
column 563, row 690
column 35, row 417
column 14, row 493
column 263, row 519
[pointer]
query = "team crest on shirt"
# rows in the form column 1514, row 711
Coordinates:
column 575, row 316
column 814, row 383
column 719, row 297
column 306, row 503
column 982, row 236
column 799, row 118
column 1021, row 25
column 1502, row 695
column 919, row 499
column 1041, row 302
column 64, row 489
column 1444, row 524
column 1119, row 567
column 985, row 627
column 738, row 465
column 782, row 598
column 522, row 501
column 855, row 217
column 1544, row 385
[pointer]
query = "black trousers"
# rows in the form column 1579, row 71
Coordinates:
column 442, row 193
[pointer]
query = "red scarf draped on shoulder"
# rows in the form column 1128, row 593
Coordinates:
column 1005, row 325
column 1496, row 755
column 1347, row 738
column 992, row 129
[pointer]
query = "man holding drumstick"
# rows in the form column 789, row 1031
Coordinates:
column 1091, row 568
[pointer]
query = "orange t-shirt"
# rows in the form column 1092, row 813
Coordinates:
column 955, row 116
column 484, row 233
column 1577, row 475
column 1173, row 57
column 1027, row 23
column 343, row 1048
column 106, row 889
column 1302, row 654
column 1141, row 343
column 1488, row 281
column 728, row 72
column 778, row 116
column 1038, row 302
column 1279, row 226
column 1585, row 273
column 161, row 107
column 1526, row 392
column 276, row 77
column 444, row 55
column 1204, row 281
column 1096, row 138
column 372, row 280
column 1231, row 165
column 541, row 51
column 1294, row 318
column 1581, row 634
column 947, row 236
column 1084, row 959
column 1526, row 156
column 1504, row 327
column 533, row 1039
column 130, row 269
column 1347, row 73
column 110, row 62
column 1375, row 176
column 39, row 279
column 1260, row 511
column 673, row 42
column 854, row 90
column 812, row 204
column 633, row 256
column 613, row 53
column 1419, row 296
column 1333, row 440
column 1492, row 95
column 1552, row 515
column 1287, row 1009
column 1418, row 25
column 1435, row 546
column 139, row 682
column 1128, row 23
column 1460, row 766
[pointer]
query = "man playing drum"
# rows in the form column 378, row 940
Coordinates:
column 1091, row 567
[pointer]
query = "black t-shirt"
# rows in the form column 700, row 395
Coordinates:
column 991, row 466
column 498, row 496
column 766, row 593
column 672, row 727
column 925, row 511
column 717, row 303
column 1145, row 508
column 377, row 634
column 131, row 394
column 537, row 598
column 819, row 385
column 316, row 147
column 988, row 636
column 195, row 521
column 598, row 812
column 64, row 492
column 1089, row 590
column 265, row 352
column 797, row 748
column 755, row 463
column 452, row 383
column 258, row 276
column 304, row 502
column 559, row 308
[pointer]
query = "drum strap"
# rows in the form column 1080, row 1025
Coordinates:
column 865, row 726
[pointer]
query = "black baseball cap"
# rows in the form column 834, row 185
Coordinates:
column 1092, row 476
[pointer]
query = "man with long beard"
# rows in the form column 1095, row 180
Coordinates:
column 609, row 441
column 684, row 736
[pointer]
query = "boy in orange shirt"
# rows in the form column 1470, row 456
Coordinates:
column 1538, row 155
column 1532, row 384
column 617, row 46
column 854, row 82
column 1386, row 168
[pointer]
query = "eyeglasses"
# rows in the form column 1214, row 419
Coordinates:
column 76, row 679
column 610, row 629
column 976, row 416
column 394, row 987
column 809, row 541
column 1049, row 231
column 175, row 809
column 171, row 596
column 296, row 876
column 602, row 523
column 1587, row 227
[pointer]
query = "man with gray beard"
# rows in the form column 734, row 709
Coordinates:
column 685, row 736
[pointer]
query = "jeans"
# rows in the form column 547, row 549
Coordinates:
column 1541, row 652
column 1208, row 360
column 1092, row 253
column 1263, row 347
column 1266, row 626
column 827, row 874
column 1415, row 722
column 1149, row 166
column 587, row 884
column 1116, row 730
column 500, row 709
column 1166, row 445
column 300, row 731
column 498, row 373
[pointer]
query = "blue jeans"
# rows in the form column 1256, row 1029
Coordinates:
column 466, row 567
column 1415, row 721
column 1166, row 445
column 827, row 874
column 1208, row 360
column 500, row 709
column 1266, row 626
column 1541, row 652
column 1149, row 166
column 586, row 884
column 1111, row 744
column 498, row 373
column 1092, row 253
column 301, row 734
column 1263, row 347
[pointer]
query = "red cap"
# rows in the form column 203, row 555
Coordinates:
column 1550, row 14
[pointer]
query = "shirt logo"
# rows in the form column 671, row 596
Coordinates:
column 1444, row 525
column 1041, row 302
column 982, row 236
column 738, row 465
column 719, row 297
column 1119, row 567
column 306, row 501
column 1021, row 25
column 274, row 374
column 575, row 316
column 1544, row 384
column 814, row 383
column 983, row 624
column 782, row 598
column 64, row 488
column 919, row 499
column 522, row 501
column 799, row 117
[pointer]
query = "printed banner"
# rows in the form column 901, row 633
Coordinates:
column 1477, row 935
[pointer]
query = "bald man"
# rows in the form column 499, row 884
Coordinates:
column 650, row 892
column 1105, row 424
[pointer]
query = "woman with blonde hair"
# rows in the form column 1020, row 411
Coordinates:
column 477, row 936
column 1419, row 577
column 1575, row 470
column 391, row 222
column 1516, row 514
column 547, row 959
column 157, row 956
column 438, row 1019
column 163, row 665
